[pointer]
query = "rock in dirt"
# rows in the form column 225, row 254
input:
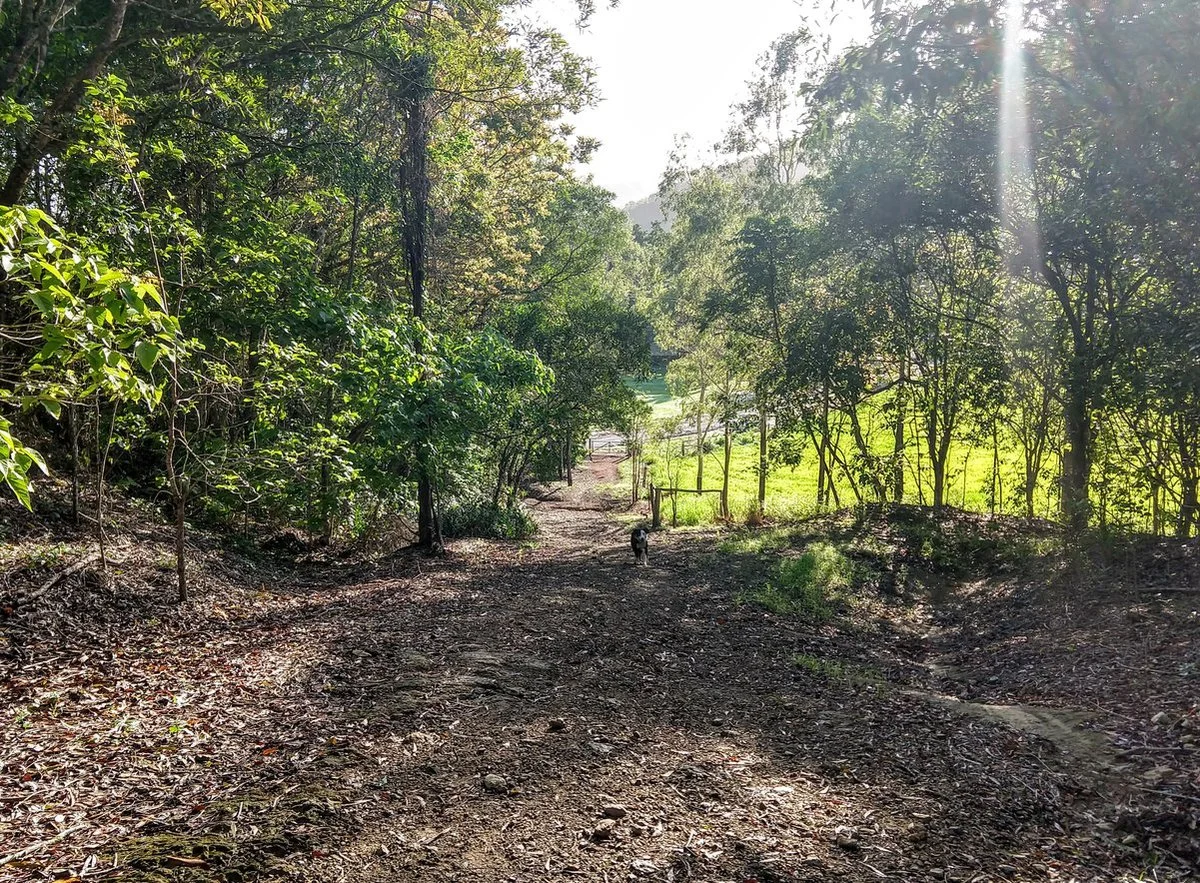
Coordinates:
column 600, row 748
column 604, row 829
column 643, row 867
column 495, row 784
column 556, row 725
column 847, row 839
column 614, row 811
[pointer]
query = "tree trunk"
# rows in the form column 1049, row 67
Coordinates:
column 699, row 436
column 502, row 468
column 177, row 485
column 1031, row 473
column 868, row 458
column 569, row 457
column 898, row 441
column 1189, row 507
column 725, row 477
column 824, row 476
column 416, row 190
column 995, row 496
column 762, row 460
column 1077, row 461
column 327, row 507
column 73, row 429
column 48, row 131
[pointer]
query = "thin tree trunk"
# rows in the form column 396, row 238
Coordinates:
column 1077, row 465
column 1189, row 505
column 103, row 443
column 898, row 441
column 725, row 476
column 996, row 501
column 877, row 485
column 824, row 477
column 762, row 461
column 569, row 457
column 73, row 429
column 699, row 437
column 328, row 505
column 178, row 487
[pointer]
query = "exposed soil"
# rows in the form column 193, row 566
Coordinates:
column 551, row 711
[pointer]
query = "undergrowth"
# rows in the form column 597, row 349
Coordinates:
column 755, row 542
column 807, row 586
column 482, row 519
column 842, row 672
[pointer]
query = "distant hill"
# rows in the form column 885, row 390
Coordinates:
column 646, row 212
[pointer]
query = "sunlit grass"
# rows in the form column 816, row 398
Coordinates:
column 792, row 489
column 654, row 392
column 808, row 586
column 754, row 542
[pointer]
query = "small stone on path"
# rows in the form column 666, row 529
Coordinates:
column 495, row 784
column 614, row 811
column 604, row 829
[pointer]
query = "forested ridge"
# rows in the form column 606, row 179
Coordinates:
column 953, row 266
column 303, row 264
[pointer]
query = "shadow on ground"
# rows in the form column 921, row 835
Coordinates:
column 348, row 732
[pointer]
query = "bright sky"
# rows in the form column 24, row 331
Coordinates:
column 667, row 68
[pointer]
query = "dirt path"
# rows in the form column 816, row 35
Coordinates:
column 473, row 722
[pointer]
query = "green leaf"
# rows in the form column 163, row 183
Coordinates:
column 147, row 354
column 42, row 301
column 18, row 483
column 37, row 460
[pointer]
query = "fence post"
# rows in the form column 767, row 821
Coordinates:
column 655, row 503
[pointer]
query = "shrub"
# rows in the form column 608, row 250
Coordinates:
column 808, row 585
column 482, row 519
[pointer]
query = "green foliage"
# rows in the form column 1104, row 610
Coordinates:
column 16, row 462
column 909, row 337
column 807, row 586
column 479, row 518
column 839, row 672
column 93, row 331
column 247, row 155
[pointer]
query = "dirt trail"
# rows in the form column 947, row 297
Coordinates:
column 585, row 682
column 1066, row 728
column 474, row 721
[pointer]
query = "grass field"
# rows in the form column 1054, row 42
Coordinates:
column 792, row 490
column 654, row 392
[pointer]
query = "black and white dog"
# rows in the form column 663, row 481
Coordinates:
column 640, row 540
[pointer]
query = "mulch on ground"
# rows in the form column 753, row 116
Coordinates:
column 549, row 711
